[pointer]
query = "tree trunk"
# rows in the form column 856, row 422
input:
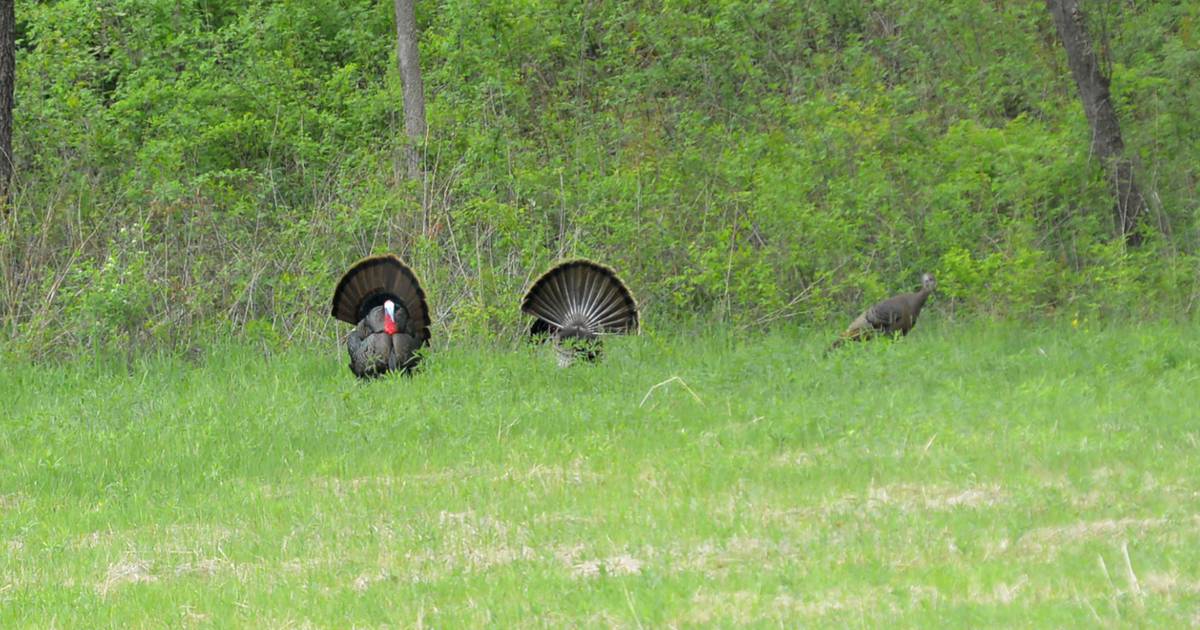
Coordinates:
column 1102, row 117
column 414, row 89
column 8, row 77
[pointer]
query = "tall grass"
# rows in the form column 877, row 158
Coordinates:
column 966, row 475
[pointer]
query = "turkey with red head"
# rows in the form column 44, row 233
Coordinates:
column 894, row 316
column 381, row 296
column 576, row 304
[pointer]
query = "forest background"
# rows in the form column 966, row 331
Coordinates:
column 189, row 169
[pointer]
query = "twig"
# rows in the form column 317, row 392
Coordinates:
column 928, row 444
column 629, row 600
column 503, row 429
column 1133, row 581
column 670, row 380
column 1111, row 599
column 1092, row 609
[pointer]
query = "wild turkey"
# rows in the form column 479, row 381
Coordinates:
column 383, row 298
column 895, row 315
column 576, row 303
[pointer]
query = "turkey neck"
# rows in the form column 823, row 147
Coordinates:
column 920, row 297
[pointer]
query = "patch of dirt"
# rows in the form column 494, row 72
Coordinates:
column 375, row 483
column 714, row 558
column 899, row 497
column 12, row 501
column 708, row 608
column 437, row 563
column 791, row 459
column 543, row 518
column 614, row 566
column 1044, row 538
column 472, row 524
column 343, row 488
column 745, row 608
column 1169, row 583
column 94, row 539
column 129, row 571
column 299, row 566
column 934, row 497
column 365, row 580
column 192, row 617
column 469, row 541
column 174, row 538
column 1005, row 593
column 208, row 567
column 572, row 475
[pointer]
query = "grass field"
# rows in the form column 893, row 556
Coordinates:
column 970, row 475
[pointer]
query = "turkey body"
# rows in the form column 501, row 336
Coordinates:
column 382, row 342
column 576, row 303
column 374, row 352
column 894, row 316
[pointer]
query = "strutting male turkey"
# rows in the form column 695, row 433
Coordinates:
column 893, row 316
column 383, row 298
column 576, row 303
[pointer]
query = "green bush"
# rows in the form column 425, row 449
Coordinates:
column 750, row 163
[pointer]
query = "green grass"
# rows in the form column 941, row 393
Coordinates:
column 970, row 475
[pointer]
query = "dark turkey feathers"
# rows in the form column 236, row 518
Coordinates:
column 894, row 316
column 382, row 341
column 576, row 303
column 375, row 279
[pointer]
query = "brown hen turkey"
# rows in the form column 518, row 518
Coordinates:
column 894, row 316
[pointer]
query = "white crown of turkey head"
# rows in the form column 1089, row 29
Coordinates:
column 389, row 307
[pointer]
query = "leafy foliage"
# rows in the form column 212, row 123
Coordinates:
column 753, row 162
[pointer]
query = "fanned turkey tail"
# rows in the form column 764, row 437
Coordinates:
column 577, row 302
column 374, row 280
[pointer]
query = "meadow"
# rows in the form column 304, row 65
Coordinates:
column 973, row 474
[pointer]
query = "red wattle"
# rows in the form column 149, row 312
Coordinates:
column 389, row 324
